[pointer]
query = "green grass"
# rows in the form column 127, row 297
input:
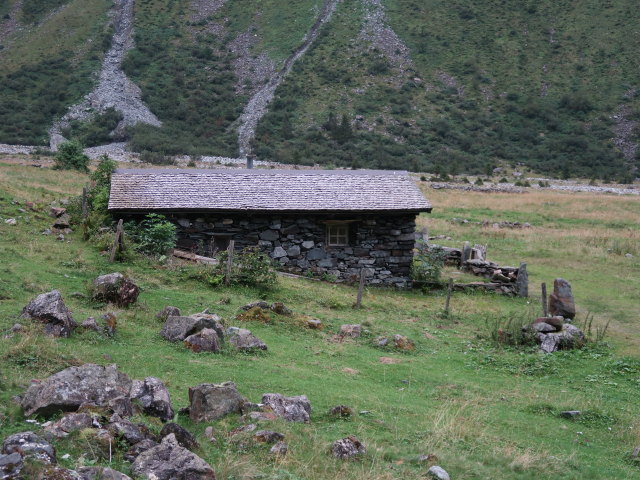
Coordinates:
column 486, row 412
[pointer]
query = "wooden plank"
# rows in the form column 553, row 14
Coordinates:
column 449, row 289
column 545, row 312
column 227, row 276
column 194, row 258
column 117, row 243
column 360, row 289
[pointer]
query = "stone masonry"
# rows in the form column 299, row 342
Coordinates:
column 381, row 244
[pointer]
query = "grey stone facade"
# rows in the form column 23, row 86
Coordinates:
column 381, row 244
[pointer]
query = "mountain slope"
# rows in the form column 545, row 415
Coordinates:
column 456, row 86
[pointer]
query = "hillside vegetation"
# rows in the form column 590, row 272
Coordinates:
column 422, row 85
column 485, row 411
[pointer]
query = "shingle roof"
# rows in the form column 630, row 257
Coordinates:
column 265, row 190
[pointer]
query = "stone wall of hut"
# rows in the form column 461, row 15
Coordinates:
column 381, row 244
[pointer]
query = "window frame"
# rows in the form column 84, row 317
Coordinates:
column 339, row 232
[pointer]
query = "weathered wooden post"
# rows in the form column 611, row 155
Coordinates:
column 118, row 242
column 360, row 289
column 85, row 203
column 230, row 249
column 449, row 289
column 545, row 312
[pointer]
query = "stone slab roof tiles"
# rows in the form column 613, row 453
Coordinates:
column 265, row 190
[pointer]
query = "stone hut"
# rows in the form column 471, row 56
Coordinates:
column 332, row 222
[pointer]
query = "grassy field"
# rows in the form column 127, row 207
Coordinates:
column 485, row 411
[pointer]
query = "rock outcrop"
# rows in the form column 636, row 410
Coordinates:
column 49, row 308
column 152, row 395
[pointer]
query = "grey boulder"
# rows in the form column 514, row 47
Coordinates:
column 101, row 473
column 206, row 340
column 30, row 445
column 10, row 466
column 561, row 300
column 177, row 329
column 348, row 447
column 438, row 473
column 208, row 401
column 292, row 409
column 170, row 461
column 72, row 387
column 152, row 395
column 49, row 308
column 183, row 436
column 243, row 340
column 115, row 288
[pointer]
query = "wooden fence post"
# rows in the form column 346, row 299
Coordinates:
column 545, row 312
column 449, row 288
column 118, row 242
column 360, row 289
column 230, row 249
column 85, row 203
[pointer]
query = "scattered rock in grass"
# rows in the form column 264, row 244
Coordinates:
column 11, row 221
column 170, row 461
column 569, row 337
column 350, row 371
column 389, row 360
column 90, row 324
column 280, row 309
column 49, row 308
column 70, row 423
column 401, row 342
column 561, row 301
column 178, row 329
column 244, row 340
column 292, row 409
column 17, row 328
column 262, row 416
column 429, row 458
column 210, row 434
column 115, row 288
column 60, row 238
column 52, row 472
column 57, row 212
column 438, row 473
column 183, row 436
column 62, row 222
column 152, row 395
column 29, row 445
column 348, row 447
column 206, row 340
column 110, row 323
column 212, row 321
column 341, row 411
column 542, row 327
column 255, row 314
column 260, row 304
column 72, row 387
column 353, row 331
column 279, row 449
column 10, row 466
column 167, row 312
column 138, row 448
column 571, row 414
column 101, row 473
column 556, row 322
column 122, row 428
column 268, row 436
column 242, row 429
column 312, row 323
column 208, row 401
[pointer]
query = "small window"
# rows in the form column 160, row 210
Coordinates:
column 337, row 234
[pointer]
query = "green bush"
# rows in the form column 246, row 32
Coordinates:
column 251, row 267
column 155, row 235
column 427, row 264
column 71, row 157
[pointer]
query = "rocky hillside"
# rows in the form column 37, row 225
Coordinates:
column 457, row 86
